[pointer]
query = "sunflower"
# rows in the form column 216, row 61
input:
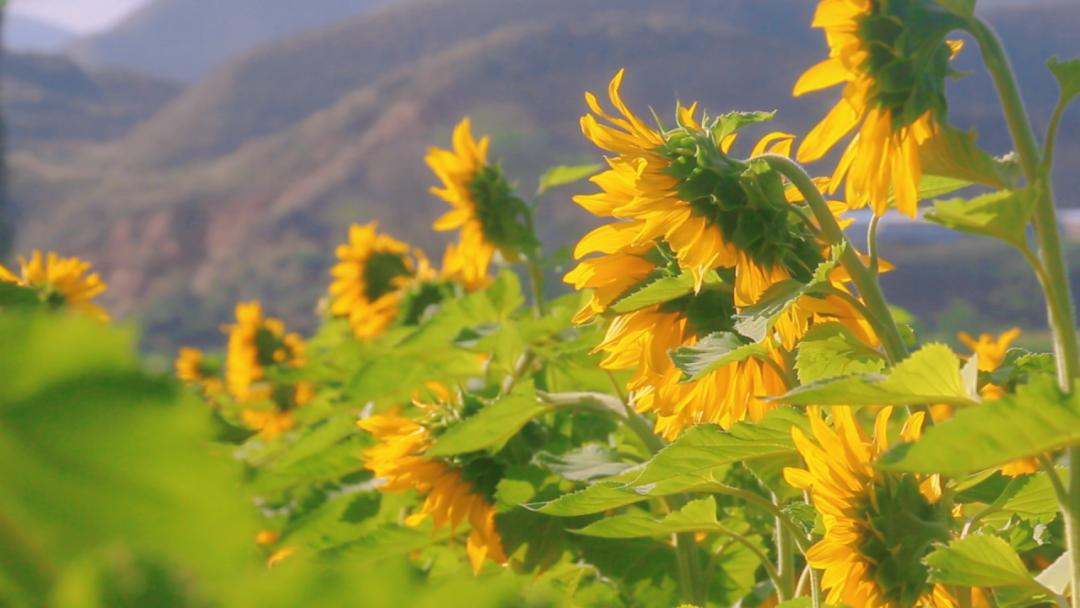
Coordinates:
column 280, row 417
column 369, row 277
column 192, row 368
column 449, row 499
column 894, row 92
column 878, row 526
column 483, row 206
column 59, row 282
column 255, row 343
column 991, row 351
column 679, row 186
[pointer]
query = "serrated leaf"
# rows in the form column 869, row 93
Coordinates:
column 699, row 458
column 1038, row 418
column 493, row 425
column 657, row 291
column 696, row 516
column 979, row 561
column 388, row 540
column 1002, row 215
column 728, row 123
column 955, row 154
column 756, row 322
column 930, row 375
column 590, row 461
column 1067, row 74
column 713, row 352
column 565, row 174
column 831, row 350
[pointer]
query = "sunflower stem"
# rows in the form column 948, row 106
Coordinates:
column 865, row 280
column 1056, row 288
column 785, row 558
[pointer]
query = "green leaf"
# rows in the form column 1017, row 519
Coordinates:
column 931, row 186
column 98, row 453
column 1056, row 576
column 1067, row 74
column 930, row 375
column 697, row 515
column 756, row 322
column 833, row 350
column 590, row 461
column 14, row 297
column 493, row 425
column 565, row 174
column 979, row 561
column 954, row 154
column 728, row 123
column 713, row 352
column 699, row 459
column 657, row 291
column 388, row 540
column 1002, row 215
column 1037, row 419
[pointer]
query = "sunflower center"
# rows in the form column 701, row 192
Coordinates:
column 381, row 273
column 419, row 300
column 270, row 347
column 502, row 215
column 746, row 202
column 902, row 527
column 906, row 57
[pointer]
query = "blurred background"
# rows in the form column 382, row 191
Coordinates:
column 200, row 153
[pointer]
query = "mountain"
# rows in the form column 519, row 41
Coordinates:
column 241, row 185
column 183, row 40
column 23, row 33
column 49, row 99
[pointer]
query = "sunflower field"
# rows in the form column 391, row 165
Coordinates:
column 720, row 409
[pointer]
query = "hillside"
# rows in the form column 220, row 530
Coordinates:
column 183, row 40
column 48, row 98
column 24, row 33
column 240, row 187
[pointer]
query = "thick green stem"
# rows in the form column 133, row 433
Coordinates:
column 536, row 278
column 1056, row 288
column 865, row 280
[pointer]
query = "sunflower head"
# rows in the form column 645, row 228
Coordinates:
column 193, row 368
column 893, row 58
column 369, row 278
column 59, row 282
column 255, row 344
column 878, row 526
column 484, row 207
column 990, row 349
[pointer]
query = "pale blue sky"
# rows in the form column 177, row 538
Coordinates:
column 82, row 16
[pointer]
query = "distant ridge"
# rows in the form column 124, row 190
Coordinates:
column 23, row 33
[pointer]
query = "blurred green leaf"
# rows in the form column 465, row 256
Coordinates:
column 493, row 425
column 955, row 154
column 1067, row 74
column 713, row 352
column 565, row 174
column 930, row 375
column 979, row 561
column 1037, row 419
column 831, row 350
column 1002, row 215
column 697, row 515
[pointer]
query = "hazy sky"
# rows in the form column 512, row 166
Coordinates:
column 80, row 16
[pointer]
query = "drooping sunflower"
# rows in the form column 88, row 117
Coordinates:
column 483, row 206
column 255, row 343
column 878, row 526
column 681, row 187
column 892, row 58
column 449, row 498
column 59, row 282
column 193, row 369
column 369, row 277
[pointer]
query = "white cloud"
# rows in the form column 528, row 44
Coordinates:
column 82, row 16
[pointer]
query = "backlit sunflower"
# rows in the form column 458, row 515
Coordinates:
column 193, row 369
column 483, row 206
column 369, row 277
column 449, row 498
column 878, row 526
column 255, row 343
column 892, row 58
column 59, row 282
column 681, row 187
column 991, row 351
